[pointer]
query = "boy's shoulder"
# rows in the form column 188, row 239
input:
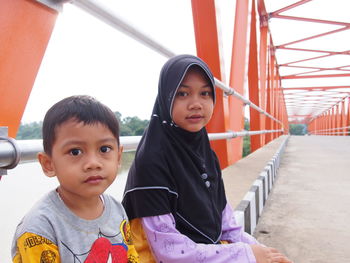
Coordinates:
column 47, row 214
column 38, row 219
column 114, row 203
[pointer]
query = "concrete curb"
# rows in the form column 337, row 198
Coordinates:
column 249, row 210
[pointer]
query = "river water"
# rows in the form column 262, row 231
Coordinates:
column 24, row 185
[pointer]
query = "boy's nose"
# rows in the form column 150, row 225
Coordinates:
column 92, row 162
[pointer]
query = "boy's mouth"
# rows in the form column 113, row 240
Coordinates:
column 93, row 179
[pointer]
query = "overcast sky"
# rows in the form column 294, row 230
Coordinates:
column 87, row 56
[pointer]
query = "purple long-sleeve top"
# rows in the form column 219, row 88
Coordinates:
column 170, row 246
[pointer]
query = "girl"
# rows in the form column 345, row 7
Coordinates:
column 175, row 196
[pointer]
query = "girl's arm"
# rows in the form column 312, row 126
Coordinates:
column 231, row 231
column 170, row 246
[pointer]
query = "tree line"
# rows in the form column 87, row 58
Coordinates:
column 129, row 126
column 134, row 126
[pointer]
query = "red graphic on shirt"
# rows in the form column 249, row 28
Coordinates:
column 102, row 251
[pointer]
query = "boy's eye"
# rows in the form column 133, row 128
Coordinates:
column 75, row 152
column 105, row 149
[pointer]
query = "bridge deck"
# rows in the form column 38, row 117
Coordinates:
column 239, row 177
column 307, row 213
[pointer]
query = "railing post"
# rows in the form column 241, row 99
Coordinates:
column 238, row 72
column 342, row 118
column 25, row 30
column 270, row 78
column 334, row 120
column 263, row 63
column 337, row 119
column 329, row 119
column 324, row 121
column 3, row 133
column 348, row 118
column 253, row 82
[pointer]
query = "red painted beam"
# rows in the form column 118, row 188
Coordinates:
column 25, row 29
column 289, row 7
column 318, row 88
column 253, row 82
column 317, row 76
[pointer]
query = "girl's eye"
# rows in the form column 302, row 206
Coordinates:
column 181, row 94
column 75, row 152
column 207, row 93
column 105, row 149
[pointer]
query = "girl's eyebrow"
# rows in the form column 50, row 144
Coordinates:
column 187, row 86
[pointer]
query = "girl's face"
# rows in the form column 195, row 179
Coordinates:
column 193, row 104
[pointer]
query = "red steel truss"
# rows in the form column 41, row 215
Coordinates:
column 293, row 77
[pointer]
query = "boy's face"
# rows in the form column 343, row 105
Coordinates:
column 193, row 103
column 85, row 159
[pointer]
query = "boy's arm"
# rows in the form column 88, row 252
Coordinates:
column 169, row 245
column 34, row 248
column 231, row 231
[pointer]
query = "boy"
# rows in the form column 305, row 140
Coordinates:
column 77, row 222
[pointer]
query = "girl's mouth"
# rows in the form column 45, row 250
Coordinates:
column 194, row 118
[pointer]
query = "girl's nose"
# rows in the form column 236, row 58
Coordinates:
column 195, row 104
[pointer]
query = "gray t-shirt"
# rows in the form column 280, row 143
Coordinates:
column 74, row 236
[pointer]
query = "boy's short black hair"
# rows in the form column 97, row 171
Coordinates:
column 81, row 108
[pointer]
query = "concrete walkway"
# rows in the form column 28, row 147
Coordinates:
column 238, row 178
column 307, row 215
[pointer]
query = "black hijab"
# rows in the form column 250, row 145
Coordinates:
column 175, row 171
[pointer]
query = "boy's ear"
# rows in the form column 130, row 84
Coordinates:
column 46, row 164
column 120, row 152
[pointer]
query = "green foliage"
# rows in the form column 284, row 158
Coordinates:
column 297, row 129
column 30, row 131
column 132, row 126
column 246, row 124
column 246, row 139
column 246, row 145
column 129, row 126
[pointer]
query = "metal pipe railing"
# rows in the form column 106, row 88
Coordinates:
column 23, row 151
column 232, row 134
column 27, row 150
column 332, row 129
column 331, row 133
column 337, row 102
column 104, row 14
column 231, row 91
